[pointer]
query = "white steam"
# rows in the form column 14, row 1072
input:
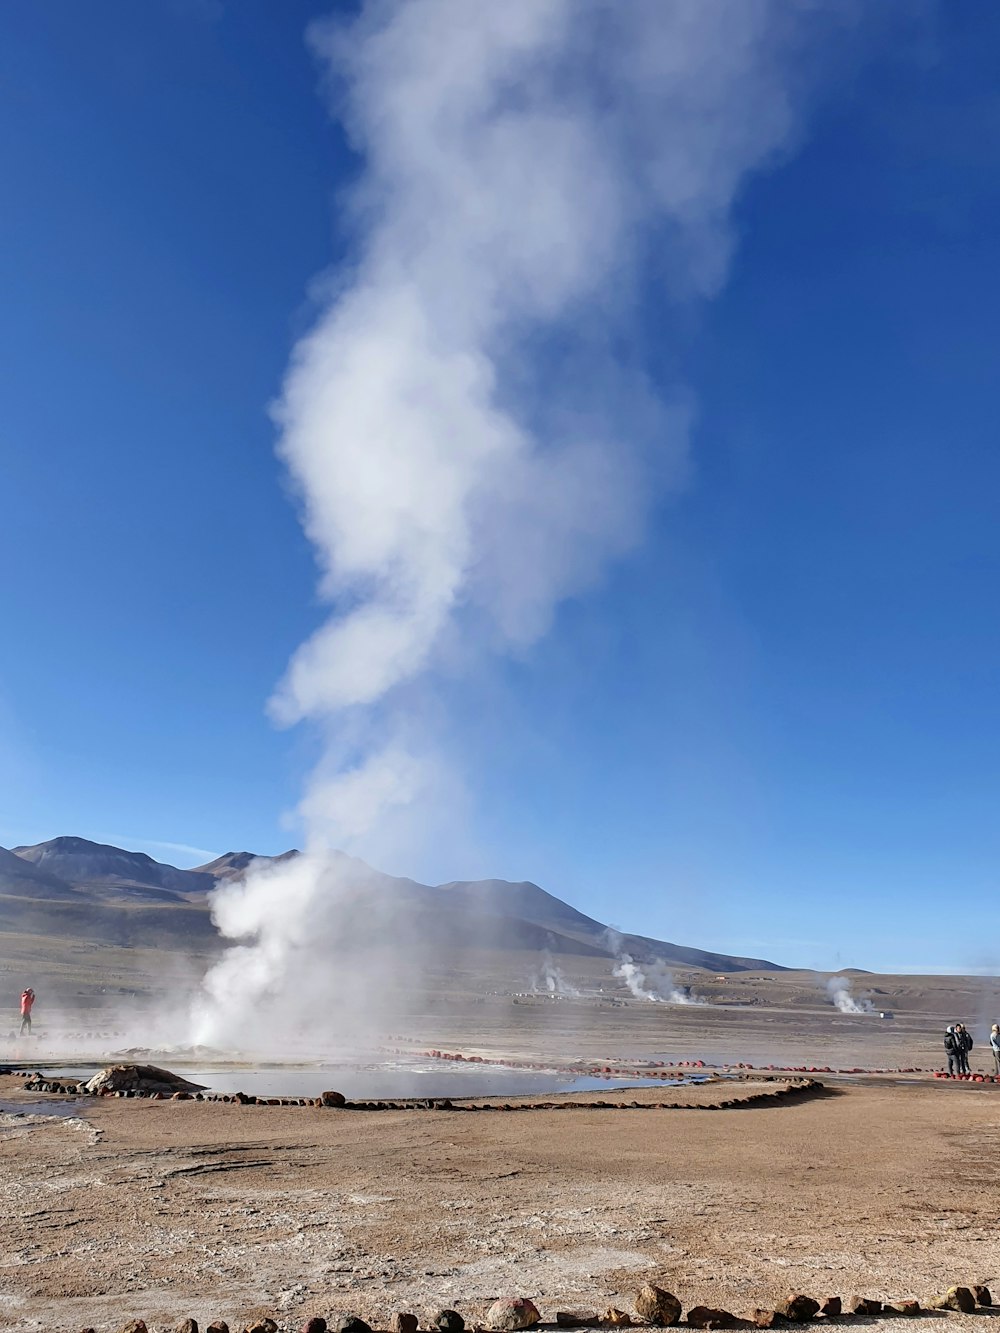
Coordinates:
column 838, row 990
column 550, row 979
column 651, row 981
column 469, row 427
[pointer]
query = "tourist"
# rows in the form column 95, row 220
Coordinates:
column 964, row 1043
column 951, row 1050
column 995, row 1046
column 27, row 1000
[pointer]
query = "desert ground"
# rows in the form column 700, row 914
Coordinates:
column 883, row 1185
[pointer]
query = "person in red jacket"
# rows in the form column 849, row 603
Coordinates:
column 27, row 1000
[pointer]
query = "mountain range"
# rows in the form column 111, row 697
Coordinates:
column 71, row 888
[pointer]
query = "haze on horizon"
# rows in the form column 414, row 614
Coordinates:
column 685, row 611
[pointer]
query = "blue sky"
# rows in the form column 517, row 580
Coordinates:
column 771, row 729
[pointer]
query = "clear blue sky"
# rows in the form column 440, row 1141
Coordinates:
column 774, row 729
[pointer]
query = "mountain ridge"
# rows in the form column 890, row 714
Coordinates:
column 107, row 894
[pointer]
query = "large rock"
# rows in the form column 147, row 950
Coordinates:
column 799, row 1308
column 405, row 1323
column 864, row 1305
column 317, row 1324
column 956, row 1298
column 332, row 1098
column 187, row 1326
column 512, row 1312
column 706, row 1316
column 449, row 1321
column 657, row 1306
column 218, row 1326
column 138, row 1078
column 350, row 1323
column 982, row 1294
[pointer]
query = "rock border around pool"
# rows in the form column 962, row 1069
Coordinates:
column 154, row 1084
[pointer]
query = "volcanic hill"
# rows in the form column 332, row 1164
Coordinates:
column 80, row 891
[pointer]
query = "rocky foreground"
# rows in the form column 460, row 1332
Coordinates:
column 654, row 1307
column 153, row 1209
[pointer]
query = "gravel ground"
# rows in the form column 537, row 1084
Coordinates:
column 161, row 1210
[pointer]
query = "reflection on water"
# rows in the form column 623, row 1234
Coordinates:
column 372, row 1083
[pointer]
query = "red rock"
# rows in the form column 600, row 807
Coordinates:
column 512, row 1312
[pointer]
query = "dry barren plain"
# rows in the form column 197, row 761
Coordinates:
column 883, row 1185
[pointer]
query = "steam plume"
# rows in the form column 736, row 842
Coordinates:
column 551, row 979
column 469, row 429
column 839, row 991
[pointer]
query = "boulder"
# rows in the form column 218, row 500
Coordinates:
column 317, row 1324
column 449, row 1321
column 863, row 1305
column 405, row 1323
column 704, row 1316
column 798, row 1308
column 187, row 1326
column 138, row 1078
column 657, row 1306
column 332, row 1099
column 955, row 1298
column 218, row 1326
column 982, row 1294
column 512, row 1312
column 350, row 1323
column 831, row 1307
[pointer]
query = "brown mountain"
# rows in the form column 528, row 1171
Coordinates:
column 75, row 889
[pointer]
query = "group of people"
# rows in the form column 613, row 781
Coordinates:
column 958, row 1044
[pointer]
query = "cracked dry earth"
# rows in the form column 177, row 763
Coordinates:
column 160, row 1210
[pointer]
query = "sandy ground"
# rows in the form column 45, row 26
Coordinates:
column 162, row 1210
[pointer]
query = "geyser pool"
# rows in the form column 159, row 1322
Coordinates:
column 366, row 1082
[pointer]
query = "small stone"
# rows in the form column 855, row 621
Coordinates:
column 135, row 1326
column 575, row 1319
column 218, row 1326
column 449, row 1321
column 350, row 1323
column 704, row 1316
column 956, row 1298
column 982, row 1294
column 864, row 1306
column 909, row 1307
column 405, row 1323
column 187, row 1326
column 511, row 1313
column 831, row 1307
column 766, row 1318
column 657, row 1306
column 616, row 1318
column 332, row 1098
column 264, row 1325
column 798, row 1308
column 317, row 1324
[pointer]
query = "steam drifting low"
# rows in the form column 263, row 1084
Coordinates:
column 470, row 431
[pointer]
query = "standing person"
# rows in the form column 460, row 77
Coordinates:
column 965, row 1046
column 951, row 1047
column 995, row 1046
column 27, row 1000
